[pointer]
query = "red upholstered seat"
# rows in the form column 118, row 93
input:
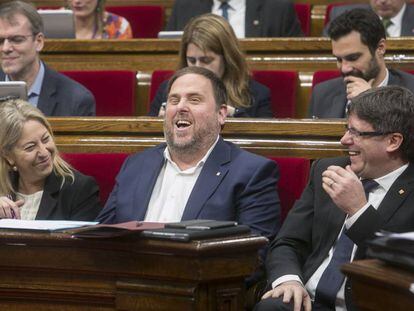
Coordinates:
column 114, row 90
column 102, row 166
column 157, row 77
column 303, row 11
column 146, row 21
column 294, row 173
column 282, row 85
column 323, row 75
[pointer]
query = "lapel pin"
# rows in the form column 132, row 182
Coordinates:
column 218, row 174
column 401, row 191
column 255, row 22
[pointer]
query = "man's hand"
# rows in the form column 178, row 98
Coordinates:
column 355, row 86
column 9, row 208
column 289, row 290
column 344, row 188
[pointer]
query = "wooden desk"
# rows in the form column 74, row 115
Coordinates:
column 377, row 286
column 304, row 55
column 273, row 137
column 42, row 271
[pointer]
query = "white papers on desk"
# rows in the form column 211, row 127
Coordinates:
column 45, row 225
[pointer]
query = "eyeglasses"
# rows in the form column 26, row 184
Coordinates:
column 356, row 133
column 15, row 40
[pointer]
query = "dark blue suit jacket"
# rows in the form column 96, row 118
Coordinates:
column 61, row 96
column 233, row 185
column 260, row 106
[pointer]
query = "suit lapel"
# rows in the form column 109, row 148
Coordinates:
column 146, row 181
column 47, row 99
column 210, row 177
column 48, row 204
column 398, row 192
column 252, row 19
column 407, row 23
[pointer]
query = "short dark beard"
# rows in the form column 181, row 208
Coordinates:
column 371, row 73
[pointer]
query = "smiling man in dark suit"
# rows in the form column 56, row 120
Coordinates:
column 21, row 40
column 331, row 222
column 359, row 45
column 196, row 174
column 249, row 18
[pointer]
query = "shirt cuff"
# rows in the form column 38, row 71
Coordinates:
column 351, row 220
column 285, row 278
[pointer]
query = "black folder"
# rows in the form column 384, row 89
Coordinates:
column 395, row 251
column 185, row 235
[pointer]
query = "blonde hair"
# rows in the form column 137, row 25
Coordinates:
column 14, row 113
column 210, row 32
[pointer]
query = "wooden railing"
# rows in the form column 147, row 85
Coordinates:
column 278, row 137
column 304, row 55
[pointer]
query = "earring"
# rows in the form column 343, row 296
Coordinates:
column 14, row 168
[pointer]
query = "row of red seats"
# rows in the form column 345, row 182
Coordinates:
column 283, row 86
column 294, row 174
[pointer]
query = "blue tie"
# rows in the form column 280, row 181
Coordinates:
column 224, row 7
column 332, row 278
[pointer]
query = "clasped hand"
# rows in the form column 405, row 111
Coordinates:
column 10, row 208
column 344, row 188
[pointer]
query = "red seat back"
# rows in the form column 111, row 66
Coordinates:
column 114, row 90
column 303, row 11
column 157, row 77
column 282, row 85
column 146, row 21
column 102, row 166
column 294, row 174
column 324, row 75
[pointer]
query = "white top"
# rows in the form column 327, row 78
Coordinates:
column 394, row 30
column 172, row 189
column 29, row 209
column 237, row 14
column 375, row 198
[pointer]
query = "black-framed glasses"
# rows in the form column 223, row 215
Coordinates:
column 15, row 40
column 356, row 133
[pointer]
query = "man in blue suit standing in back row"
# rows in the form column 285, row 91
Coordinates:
column 196, row 174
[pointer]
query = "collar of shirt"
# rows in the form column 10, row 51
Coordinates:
column 234, row 4
column 191, row 170
column 387, row 77
column 394, row 29
column 34, row 91
column 386, row 181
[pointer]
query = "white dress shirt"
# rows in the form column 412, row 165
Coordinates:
column 173, row 188
column 29, row 209
column 237, row 14
column 394, row 30
column 374, row 199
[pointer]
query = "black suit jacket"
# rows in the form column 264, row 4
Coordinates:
column 260, row 106
column 407, row 23
column 314, row 223
column 264, row 18
column 72, row 201
column 61, row 96
column 328, row 98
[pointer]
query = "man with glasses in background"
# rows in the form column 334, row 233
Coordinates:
column 21, row 40
column 346, row 201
